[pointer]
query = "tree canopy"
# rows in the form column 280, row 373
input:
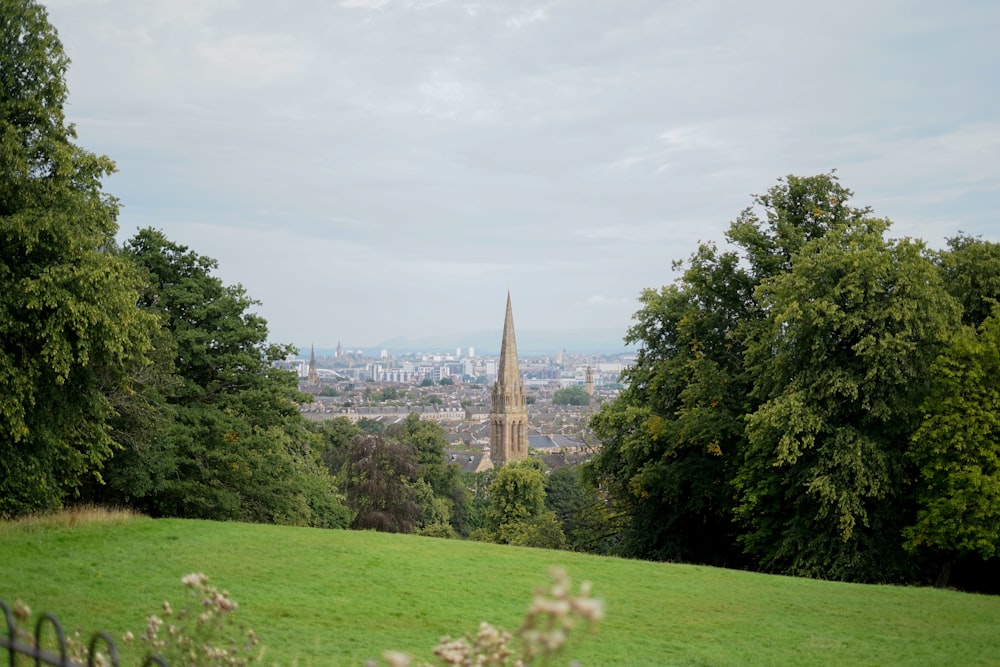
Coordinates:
column 574, row 395
column 71, row 336
column 790, row 389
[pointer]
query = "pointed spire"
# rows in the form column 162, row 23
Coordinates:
column 509, row 416
column 508, row 373
column 312, row 376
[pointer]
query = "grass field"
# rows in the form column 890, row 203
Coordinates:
column 319, row 597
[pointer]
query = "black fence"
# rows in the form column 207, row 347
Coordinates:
column 17, row 643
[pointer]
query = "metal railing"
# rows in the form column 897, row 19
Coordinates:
column 16, row 642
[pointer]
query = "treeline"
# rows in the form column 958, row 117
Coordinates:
column 815, row 399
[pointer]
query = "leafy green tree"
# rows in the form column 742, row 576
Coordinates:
column 335, row 436
column 381, row 478
column 776, row 383
column 839, row 365
column 971, row 268
column 238, row 447
column 446, row 382
column 372, row 426
column 673, row 440
column 517, row 513
column 583, row 517
column 443, row 477
column 71, row 337
column 574, row 395
column 957, row 451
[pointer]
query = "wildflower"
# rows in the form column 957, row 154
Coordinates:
column 22, row 612
column 194, row 579
column 397, row 659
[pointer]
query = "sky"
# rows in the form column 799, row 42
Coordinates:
column 377, row 171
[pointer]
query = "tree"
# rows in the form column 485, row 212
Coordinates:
column 774, row 390
column 71, row 337
column 575, row 395
column 673, row 440
column 517, row 514
column 335, row 437
column 443, row 477
column 957, row 451
column 583, row 517
column 839, row 364
column 971, row 269
column 446, row 382
column 381, row 474
column 238, row 447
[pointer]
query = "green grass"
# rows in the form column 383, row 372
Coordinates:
column 321, row 597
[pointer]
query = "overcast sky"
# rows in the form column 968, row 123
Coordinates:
column 374, row 169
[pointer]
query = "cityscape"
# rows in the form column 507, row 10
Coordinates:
column 454, row 390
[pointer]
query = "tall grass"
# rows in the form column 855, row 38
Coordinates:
column 321, row 597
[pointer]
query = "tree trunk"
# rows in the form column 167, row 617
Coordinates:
column 944, row 575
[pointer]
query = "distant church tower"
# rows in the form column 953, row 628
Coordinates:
column 589, row 382
column 313, row 377
column 509, row 416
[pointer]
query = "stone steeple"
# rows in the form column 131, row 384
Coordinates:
column 313, row 377
column 509, row 415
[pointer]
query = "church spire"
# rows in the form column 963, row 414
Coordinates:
column 508, row 370
column 509, row 416
column 313, row 377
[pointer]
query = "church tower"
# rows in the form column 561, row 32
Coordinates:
column 313, row 377
column 509, row 416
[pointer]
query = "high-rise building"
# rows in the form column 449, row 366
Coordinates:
column 509, row 415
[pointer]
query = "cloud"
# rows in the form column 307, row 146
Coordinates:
column 525, row 18
column 259, row 61
column 368, row 165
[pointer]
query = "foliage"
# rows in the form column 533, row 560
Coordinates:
column 839, row 364
column 443, row 478
column 372, row 426
column 380, row 477
column 673, row 440
column 517, row 513
column 957, row 450
column 334, row 439
column 583, row 517
column 203, row 632
column 776, row 386
column 971, row 270
column 574, row 395
column 71, row 337
column 235, row 446
column 446, row 382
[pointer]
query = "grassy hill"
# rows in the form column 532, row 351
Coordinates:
column 320, row 597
